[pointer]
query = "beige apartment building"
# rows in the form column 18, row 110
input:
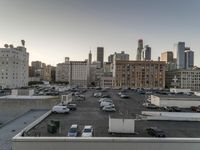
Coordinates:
column 139, row 74
column 167, row 56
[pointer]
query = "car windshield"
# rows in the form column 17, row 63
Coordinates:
column 72, row 130
column 87, row 130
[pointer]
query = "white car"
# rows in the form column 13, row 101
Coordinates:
column 124, row 96
column 109, row 108
column 97, row 94
column 102, row 104
column 87, row 131
column 120, row 93
column 60, row 109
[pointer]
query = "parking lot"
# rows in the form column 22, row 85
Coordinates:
column 89, row 113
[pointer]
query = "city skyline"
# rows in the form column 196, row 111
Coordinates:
column 57, row 29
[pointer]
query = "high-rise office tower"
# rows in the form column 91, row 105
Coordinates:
column 110, row 58
column 146, row 53
column 189, row 58
column 179, row 54
column 100, row 55
column 90, row 58
column 139, row 49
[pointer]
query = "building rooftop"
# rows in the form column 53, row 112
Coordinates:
column 89, row 113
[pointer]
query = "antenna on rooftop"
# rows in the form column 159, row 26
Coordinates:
column 6, row 45
column 23, row 42
column 11, row 46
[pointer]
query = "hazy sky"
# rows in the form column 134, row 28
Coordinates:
column 54, row 29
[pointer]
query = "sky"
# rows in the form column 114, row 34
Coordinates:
column 54, row 29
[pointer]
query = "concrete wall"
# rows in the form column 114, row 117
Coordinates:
column 26, row 92
column 172, row 116
column 63, row 143
column 182, row 104
column 175, row 90
column 11, row 108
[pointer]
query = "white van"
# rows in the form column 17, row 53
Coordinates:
column 60, row 109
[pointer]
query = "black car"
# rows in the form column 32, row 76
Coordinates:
column 142, row 92
column 151, row 106
column 156, row 132
column 176, row 109
column 71, row 106
column 169, row 109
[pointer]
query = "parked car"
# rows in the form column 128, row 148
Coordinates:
column 109, row 108
column 120, row 93
column 73, row 131
column 71, row 106
column 82, row 96
column 79, row 99
column 148, row 92
column 151, row 106
column 60, row 109
column 169, row 109
column 176, row 109
column 124, row 96
column 142, row 92
column 195, row 108
column 102, row 104
column 156, row 132
column 97, row 94
column 87, row 131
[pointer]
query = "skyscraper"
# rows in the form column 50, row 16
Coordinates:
column 118, row 56
column 189, row 58
column 110, row 58
column 90, row 58
column 100, row 55
column 179, row 54
column 146, row 53
column 139, row 49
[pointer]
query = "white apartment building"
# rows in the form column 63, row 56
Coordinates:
column 13, row 67
column 186, row 78
column 74, row 72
